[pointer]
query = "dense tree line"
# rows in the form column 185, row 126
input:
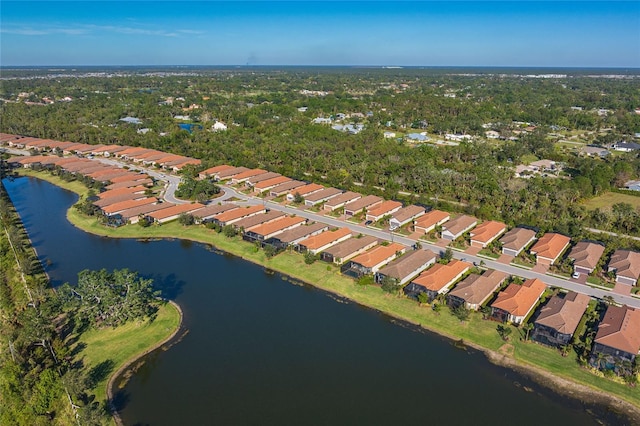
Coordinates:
column 266, row 130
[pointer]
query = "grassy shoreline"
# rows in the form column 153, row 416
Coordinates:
column 543, row 364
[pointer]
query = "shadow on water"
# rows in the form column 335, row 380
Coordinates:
column 120, row 400
column 170, row 287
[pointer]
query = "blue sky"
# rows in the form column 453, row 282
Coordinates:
column 430, row 33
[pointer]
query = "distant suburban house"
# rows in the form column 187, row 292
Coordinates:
column 248, row 223
column 457, row 137
column 134, row 214
column 389, row 135
column 585, row 256
column 454, row 229
column 352, row 129
column 626, row 265
column 405, row 215
column 485, row 233
column 219, row 126
column 517, row 301
column 253, row 180
column 549, row 248
column 492, row 134
column 401, row 270
column 322, row 120
column 437, row 280
column 558, row 319
column 618, row 336
column 371, row 261
column 633, row 185
column 417, row 137
column 476, row 289
column 131, row 120
column 342, row 252
column 340, row 200
column 383, row 209
column 213, row 170
column 626, row 146
column 317, row 243
column 430, row 220
column 362, row 204
column 595, row 151
column 516, row 240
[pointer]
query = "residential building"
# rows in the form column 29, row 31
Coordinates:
column 208, row 212
column 348, row 249
column 253, row 180
column 317, row 243
column 632, row 185
column 242, row 177
column 405, row 215
column 626, row 265
column 404, row 268
column 229, row 173
column 213, row 170
column 129, row 204
column 118, row 198
column 585, row 256
column 321, row 196
column 549, row 248
column 292, row 236
column 618, row 336
column 362, row 205
column 559, row 317
column 134, row 214
column 438, row 279
column 383, row 209
column 340, row 200
column 232, row 216
column 455, row 228
column 476, row 289
column 266, row 185
column 371, row 261
column 248, row 223
column 626, row 146
column 285, row 188
column 430, row 220
column 517, row 301
column 304, row 191
column 173, row 212
column 267, row 230
column 516, row 240
column 485, row 233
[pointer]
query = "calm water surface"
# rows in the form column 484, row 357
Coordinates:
column 262, row 351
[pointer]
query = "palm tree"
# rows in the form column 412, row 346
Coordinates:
column 527, row 329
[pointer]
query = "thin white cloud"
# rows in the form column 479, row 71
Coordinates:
column 92, row 29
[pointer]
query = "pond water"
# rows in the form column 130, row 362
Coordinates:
column 261, row 350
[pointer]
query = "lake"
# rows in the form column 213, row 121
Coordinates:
column 261, row 350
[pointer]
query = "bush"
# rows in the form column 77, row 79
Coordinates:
column 309, row 258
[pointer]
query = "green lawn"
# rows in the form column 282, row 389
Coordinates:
column 608, row 199
column 322, row 275
column 108, row 349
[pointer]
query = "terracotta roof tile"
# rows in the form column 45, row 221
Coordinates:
column 519, row 299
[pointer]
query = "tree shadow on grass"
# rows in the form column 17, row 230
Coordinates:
column 99, row 373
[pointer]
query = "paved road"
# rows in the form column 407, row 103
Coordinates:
column 173, row 181
column 386, row 235
column 600, row 231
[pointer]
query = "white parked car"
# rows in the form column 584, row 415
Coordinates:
column 575, row 275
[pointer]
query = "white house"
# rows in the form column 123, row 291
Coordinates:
column 219, row 126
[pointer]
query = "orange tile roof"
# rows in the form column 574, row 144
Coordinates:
column 626, row 263
column 517, row 300
column 131, row 151
column 316, row 241
column 343, row 198
column 277, row 225
column 113, row 208
column 307, row 189
column 488, row 231
column 365, row 202
column 440, row 276
column 432, row 218
column 550, row 246
column 271, row 182
column 378, row 254
column 175, row 210
column 129, row 177
column 384, row 208
column 119, row 191
column 620, row 329
column 216, row 169
column 247, row 174
column 238, row 213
